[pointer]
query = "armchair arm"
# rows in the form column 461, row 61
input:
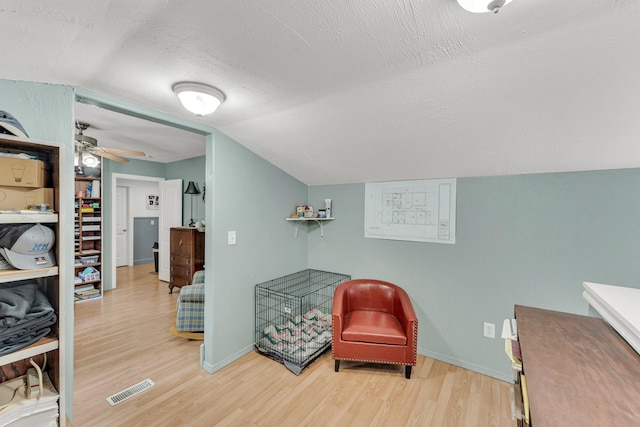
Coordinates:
column 198, row 277
column 195, row 292
column 403, row 310
column 339, row 309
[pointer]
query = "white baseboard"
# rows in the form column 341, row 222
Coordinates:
column 211, row 368
column 470, row 366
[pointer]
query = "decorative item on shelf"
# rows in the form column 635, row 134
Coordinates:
column 327, row 207
column 322, row 213
column 299, row 211
column 192, row 190
column 308, row 211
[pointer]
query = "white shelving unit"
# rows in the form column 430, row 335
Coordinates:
column 319, row 221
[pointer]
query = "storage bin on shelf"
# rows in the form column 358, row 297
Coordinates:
column 89, row 274
column 90, row 259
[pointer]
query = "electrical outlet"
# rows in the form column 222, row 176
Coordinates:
column 231, row 237
column 489, row 330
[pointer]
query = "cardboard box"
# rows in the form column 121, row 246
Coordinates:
column 22, row 173
column 21, row 198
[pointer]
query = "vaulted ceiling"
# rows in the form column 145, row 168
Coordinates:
column 343, row 91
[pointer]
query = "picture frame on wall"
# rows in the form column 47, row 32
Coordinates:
column 153, row 201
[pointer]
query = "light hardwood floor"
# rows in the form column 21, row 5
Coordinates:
column 124, row 338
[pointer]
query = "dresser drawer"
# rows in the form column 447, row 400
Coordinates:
column 181, row 261
column 178, row 271
column 181, row 243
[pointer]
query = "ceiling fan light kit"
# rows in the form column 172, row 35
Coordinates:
column 88, row 153
column 198, row 98
column 90, row 160
column 482, row 6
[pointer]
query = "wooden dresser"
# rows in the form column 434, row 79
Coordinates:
column 579, row 371
column 187, row 255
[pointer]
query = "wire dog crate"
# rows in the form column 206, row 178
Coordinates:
column 293, row 316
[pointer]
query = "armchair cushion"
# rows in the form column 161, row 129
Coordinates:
column 373, row 327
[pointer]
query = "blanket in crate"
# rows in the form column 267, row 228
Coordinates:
column 26, row 315
column 300, row 336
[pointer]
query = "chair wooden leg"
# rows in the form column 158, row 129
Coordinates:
column 407, row 372
column 337, row 365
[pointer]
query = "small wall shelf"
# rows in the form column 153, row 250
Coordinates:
column 319, row 221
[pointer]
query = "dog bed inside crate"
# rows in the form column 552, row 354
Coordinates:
column 293, row 316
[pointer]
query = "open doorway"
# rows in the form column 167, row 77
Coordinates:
column 163, row 145
column 130, row 211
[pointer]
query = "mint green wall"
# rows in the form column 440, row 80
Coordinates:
column 189, row 170
column 132, row 167
column 251, row 197
column 46, row 112
column 527, row 239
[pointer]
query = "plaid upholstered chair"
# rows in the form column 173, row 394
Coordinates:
column 190, row 309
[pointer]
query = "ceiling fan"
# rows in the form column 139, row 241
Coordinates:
column 87, row 149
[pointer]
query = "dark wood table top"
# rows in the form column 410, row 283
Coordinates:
column 579, row 371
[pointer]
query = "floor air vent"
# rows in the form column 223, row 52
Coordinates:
column 130, row 392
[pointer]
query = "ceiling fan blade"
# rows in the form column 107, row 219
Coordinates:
column 125, row 152
column 109, row 156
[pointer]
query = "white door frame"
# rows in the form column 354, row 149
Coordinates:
column 114, row 186
column 127, row 228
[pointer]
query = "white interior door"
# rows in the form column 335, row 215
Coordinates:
column 122, row 232
column 170, row 216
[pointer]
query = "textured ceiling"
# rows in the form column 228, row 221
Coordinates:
column 338, row 91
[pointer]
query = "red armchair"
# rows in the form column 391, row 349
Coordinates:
column 373, row 321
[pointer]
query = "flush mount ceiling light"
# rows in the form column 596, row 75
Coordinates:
column 198, row 98
column 481, row 6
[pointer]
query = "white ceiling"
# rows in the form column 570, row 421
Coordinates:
column 339, row 91
column 159, row 142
